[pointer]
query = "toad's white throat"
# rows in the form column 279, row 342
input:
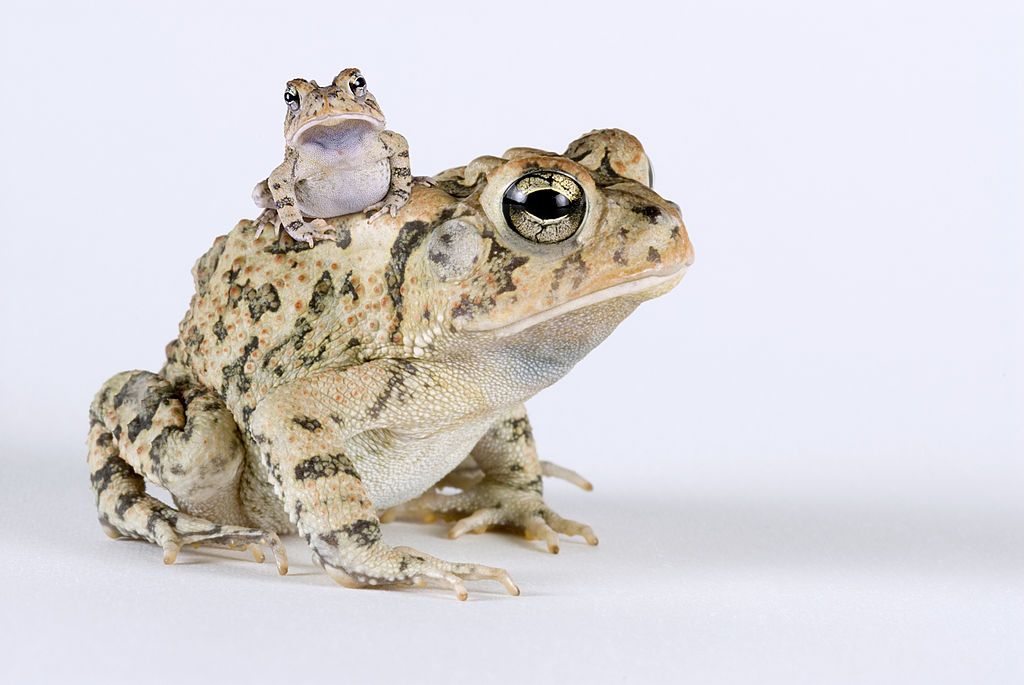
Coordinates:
column 636, row 286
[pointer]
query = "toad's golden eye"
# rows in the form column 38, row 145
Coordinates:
column 545, row 206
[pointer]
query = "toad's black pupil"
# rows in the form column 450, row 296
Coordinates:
column 360, row 82
column 547, row 204
column 288, row 97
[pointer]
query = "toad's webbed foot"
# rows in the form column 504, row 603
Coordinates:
column 489, row 504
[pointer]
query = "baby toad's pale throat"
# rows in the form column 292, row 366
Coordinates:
column 337, row 131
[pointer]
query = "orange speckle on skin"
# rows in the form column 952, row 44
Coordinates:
column 302, row 278
column 334, row 266
column 298, row 305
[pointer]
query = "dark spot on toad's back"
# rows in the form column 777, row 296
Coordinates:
column 262, row 300
column 409, row 238
column 220, row 330
column 323, row 293
column 649, row 212
column 307, row 423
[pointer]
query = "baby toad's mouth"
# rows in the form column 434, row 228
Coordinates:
column 336, row 130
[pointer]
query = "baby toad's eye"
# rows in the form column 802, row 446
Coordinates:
column 291, row 98
column 545, row 206
column 358, row 85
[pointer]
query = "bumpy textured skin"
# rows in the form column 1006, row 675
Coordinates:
column 315, row 389
column 338, row 159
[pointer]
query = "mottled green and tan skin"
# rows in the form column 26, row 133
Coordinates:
column 315, row 389
column 338, row 159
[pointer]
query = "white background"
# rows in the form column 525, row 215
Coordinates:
column 807, row 456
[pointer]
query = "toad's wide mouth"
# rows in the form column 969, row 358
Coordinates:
column 333, row 127
column 643, row 287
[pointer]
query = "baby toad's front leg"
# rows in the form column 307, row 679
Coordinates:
column 277, row 195
column 301, row 438
column 510, row 493
column 401, row 176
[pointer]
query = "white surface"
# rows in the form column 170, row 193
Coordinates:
column 807, row 456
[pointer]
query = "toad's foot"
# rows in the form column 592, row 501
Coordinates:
column 231, row 537
column 407, row 566
column 173, row 530
column 311, row 231
column 390, row 205
column 489, row 504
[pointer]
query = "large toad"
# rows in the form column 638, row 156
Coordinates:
column 312, row 389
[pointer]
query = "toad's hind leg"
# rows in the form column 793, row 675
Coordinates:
column 184, row 439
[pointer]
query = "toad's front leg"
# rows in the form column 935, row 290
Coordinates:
column 508, row 495
column 323, row 494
